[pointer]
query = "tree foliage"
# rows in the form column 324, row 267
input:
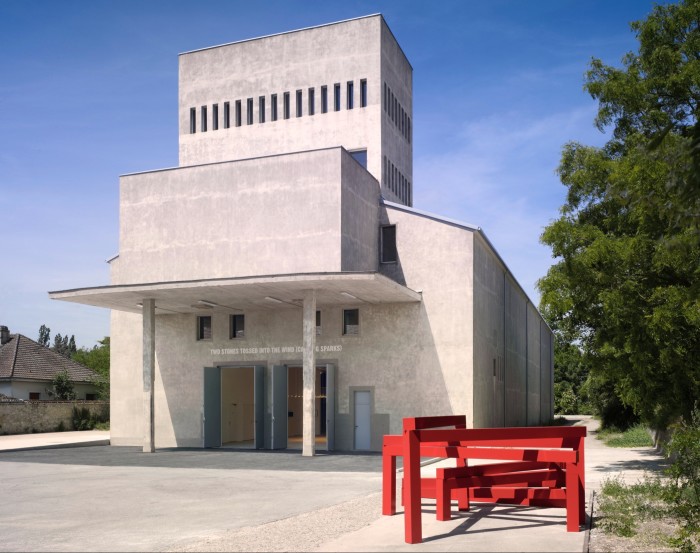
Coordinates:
column 625, row 287
column 44, row 336
column 64, row 345
column 97, row 358
column 61, row 387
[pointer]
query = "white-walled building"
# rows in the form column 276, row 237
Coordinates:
column 278, row 287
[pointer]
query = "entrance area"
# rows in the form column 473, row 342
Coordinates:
column 234, row 407
column 238, row 408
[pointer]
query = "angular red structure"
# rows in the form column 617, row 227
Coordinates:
column 542, row 466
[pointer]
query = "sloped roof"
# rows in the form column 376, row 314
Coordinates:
column 24, row 358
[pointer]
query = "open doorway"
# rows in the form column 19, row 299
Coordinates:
column 238, row 407
column 234, row 414
column 288, row 407
column 295, row 407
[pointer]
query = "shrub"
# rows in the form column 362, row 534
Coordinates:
column 684, row 488
column 83, row 419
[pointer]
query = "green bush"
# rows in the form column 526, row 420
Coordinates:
column 684, row 488
column 636, row 436
column 83, row 419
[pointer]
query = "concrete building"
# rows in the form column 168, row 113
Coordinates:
column 279, row 287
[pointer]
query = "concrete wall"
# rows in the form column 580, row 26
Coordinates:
column 287, row 62
column 489, row 333
column 359, row 225
column 415, row 359
column 397, row 76
column 44, row 416
column 20, row 389
column 534, row 372
column 513, row 367
column 276, row 215
column 516, row 354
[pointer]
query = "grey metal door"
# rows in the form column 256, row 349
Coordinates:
column 279, row 407
column 212, row 407
column 259, row 392
column 362, row 420
column 330, row 407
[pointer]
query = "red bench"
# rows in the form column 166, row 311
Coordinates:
column 544, row 466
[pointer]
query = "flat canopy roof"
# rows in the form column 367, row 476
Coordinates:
column 245, row 293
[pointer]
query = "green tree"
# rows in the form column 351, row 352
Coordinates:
column 61, row 387
column 97, row 358
column 624, row 288
column 44, row 336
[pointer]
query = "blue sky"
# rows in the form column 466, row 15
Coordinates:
column 88, row 91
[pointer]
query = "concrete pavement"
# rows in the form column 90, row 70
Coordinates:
column 488, row 527
column 53, row 440
column 117, row 498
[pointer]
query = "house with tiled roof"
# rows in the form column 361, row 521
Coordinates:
column 27, row 369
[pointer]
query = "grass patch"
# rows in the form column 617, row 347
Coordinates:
column 636, row 436
column 623, row 507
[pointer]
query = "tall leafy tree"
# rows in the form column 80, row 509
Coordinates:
column 44, row 336
column 97, row 358
column 625, row 287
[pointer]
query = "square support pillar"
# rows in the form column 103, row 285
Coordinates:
column 309, row 375
column 149, row 370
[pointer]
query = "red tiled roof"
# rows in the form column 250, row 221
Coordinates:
column 24, row 358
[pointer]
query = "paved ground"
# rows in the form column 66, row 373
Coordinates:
column 117, row 498
column 53, row 440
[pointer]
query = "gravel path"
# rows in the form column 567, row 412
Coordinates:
column 305, row 532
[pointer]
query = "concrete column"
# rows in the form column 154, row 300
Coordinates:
column 309, row 374
column 149, row 369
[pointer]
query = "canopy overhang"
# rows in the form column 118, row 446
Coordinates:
column 270, row 292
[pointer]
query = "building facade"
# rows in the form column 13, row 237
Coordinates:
column 279, row 287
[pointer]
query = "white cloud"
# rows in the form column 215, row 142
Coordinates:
column 500, row 175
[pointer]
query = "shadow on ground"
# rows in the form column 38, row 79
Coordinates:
column 220, row 459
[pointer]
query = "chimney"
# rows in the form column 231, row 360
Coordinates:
column 4, row 335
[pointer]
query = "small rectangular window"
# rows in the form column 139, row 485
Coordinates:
column 324, row 99
column 363, row 93
column 204, row 119
column 388, row 245
column 351, row 322
column 396, row 111
column 299, row 104
column 409, row 130
column 351, row 94
column 215, row 117
column 273, row 107
column 286, row 105
column 238, row 113
column 249, row 111
column 336, row 96
column 386, row 99
column 261, row 109
column 90, row 397
column 318, row 323
column 193, row 120
column 384, row 173
column 204, row 328
column 227, row 115
column 34, row 396
column 312, row 101
column 237, row 326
